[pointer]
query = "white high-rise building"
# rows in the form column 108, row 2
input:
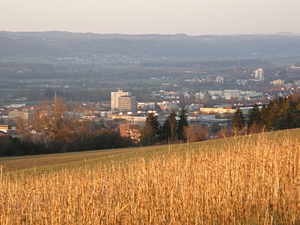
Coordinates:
column 123, row 101
column 115, row 98
column 259, row 74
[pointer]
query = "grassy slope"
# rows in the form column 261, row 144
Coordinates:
column 242, row 180
column 106, row 157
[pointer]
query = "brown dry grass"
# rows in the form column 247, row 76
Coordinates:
column 247, row 181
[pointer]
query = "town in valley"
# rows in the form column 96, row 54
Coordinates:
column 116, row 85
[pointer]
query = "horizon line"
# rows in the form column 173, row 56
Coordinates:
column 162, row 34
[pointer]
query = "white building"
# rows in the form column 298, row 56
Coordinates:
column 259, row 74
column 123, row 101
column 277, row 82
column 115, row 97
column 200, row 95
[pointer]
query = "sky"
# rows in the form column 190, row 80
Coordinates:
column 192, row 17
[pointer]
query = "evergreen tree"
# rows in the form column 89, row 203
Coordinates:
column 169, row 127
column 214, row 128
column 254, row 120
column 288, row 114
column 272, row 115
column 150, row 130
column 238, row 120
column 283, row 111
column 297, row 111
column 182, row 125
column 264, row 114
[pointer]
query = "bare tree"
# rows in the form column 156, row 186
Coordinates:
column 195, row 132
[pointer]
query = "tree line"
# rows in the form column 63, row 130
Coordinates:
column 174, row 129
column 279, row 114
column 107, row 139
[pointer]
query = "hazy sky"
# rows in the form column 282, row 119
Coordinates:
column 193, row 17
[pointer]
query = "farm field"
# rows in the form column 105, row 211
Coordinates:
column 51, row 162
column 241, row 180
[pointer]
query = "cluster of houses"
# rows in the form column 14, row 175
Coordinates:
column 129, row 124
column 237, row 94
column 162, row 94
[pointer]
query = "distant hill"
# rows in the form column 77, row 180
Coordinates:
column 52, row 45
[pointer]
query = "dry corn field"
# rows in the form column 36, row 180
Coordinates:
column 247, row 181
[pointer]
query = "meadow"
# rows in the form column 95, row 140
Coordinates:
column 240, row 180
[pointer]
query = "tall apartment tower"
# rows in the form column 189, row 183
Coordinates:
column 123, row 101
column 127, row 103
column 259, row 74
